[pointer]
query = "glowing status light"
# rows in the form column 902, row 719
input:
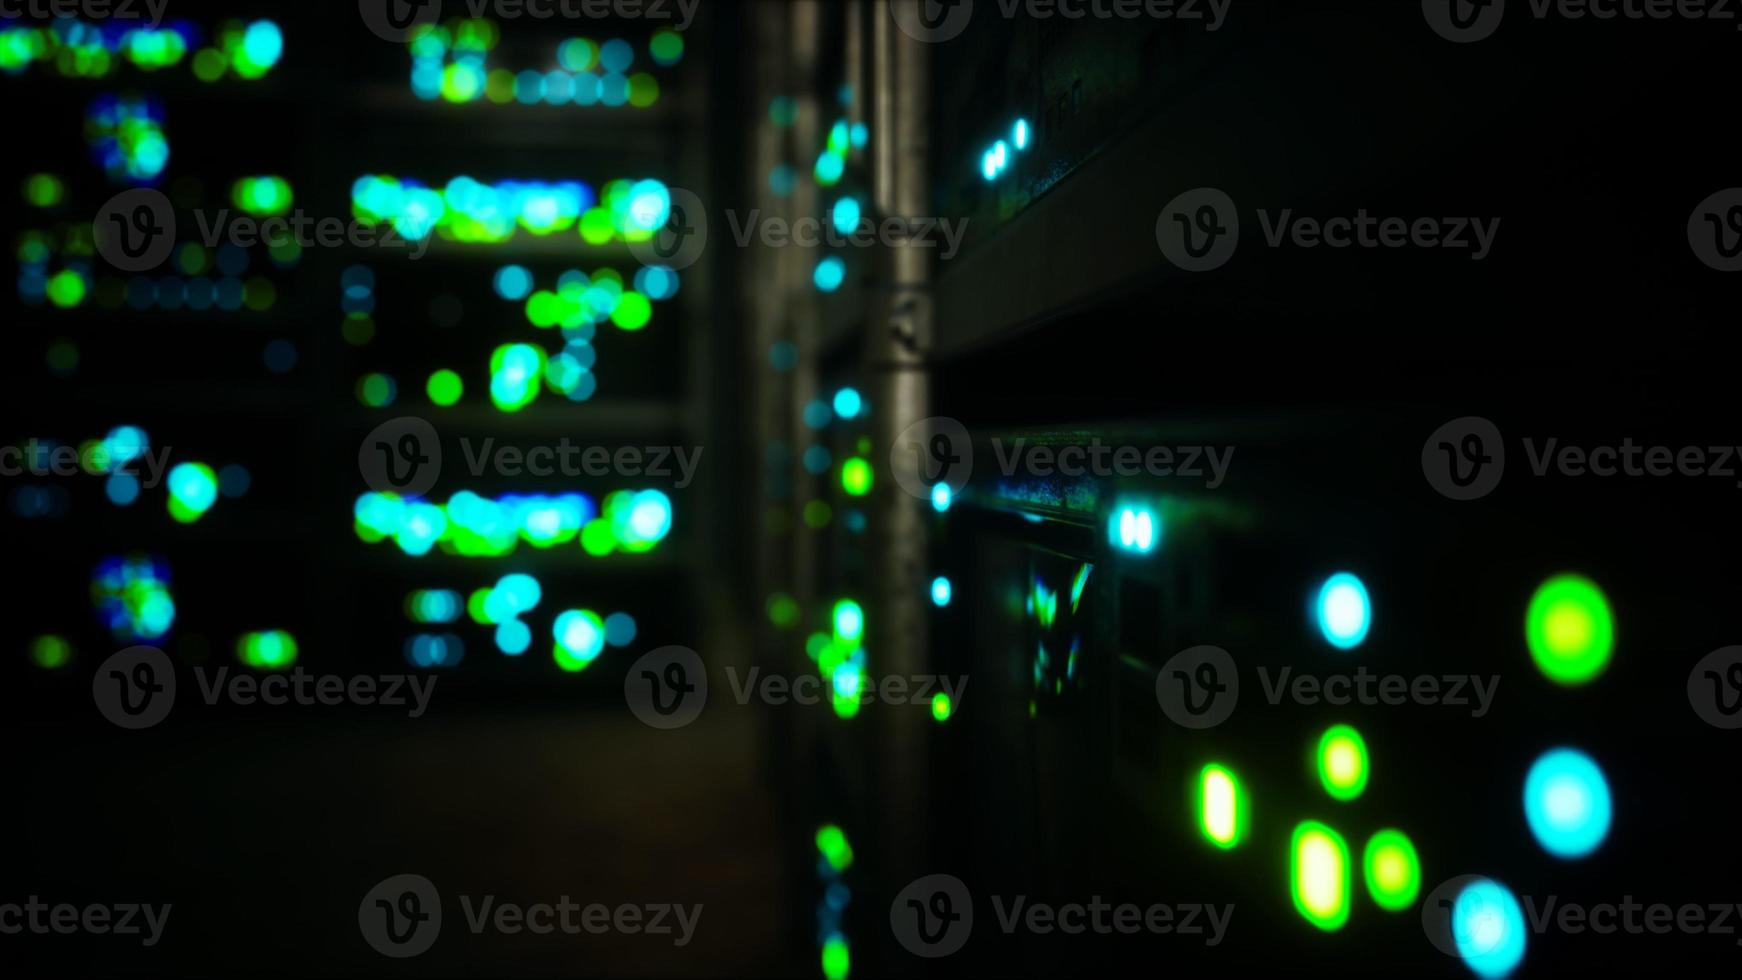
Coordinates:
column 1342, row 762
column 51, row 652
column 1392, row 870
column 1221, row 806
column 1488, row 929
column 848, row 403
column 856, row 476
column 849, row 621
column 846, row 215
column 1135, row 529
column 829, row 274
column 580, row 638
column 941, row 497
column 1570, row 630
column 1319, row 875
column 941, row 707
column 837, row 958
column 833, row 847
column 193, row 488
column 445, row 388
column 271, row 650
column 513, row 283
column 1019, row 134
column 941, row 591
column 1343, row 611
column 513, row 637
column 1567, row 803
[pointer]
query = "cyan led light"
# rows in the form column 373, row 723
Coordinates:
column 1567, row 803
column 1344, row 611
column 1488, row 928
column 941, row 591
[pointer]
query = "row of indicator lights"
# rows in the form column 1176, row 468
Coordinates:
column 997, row 158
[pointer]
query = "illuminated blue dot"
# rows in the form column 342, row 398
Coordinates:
column 817, row 460
column 817, row 414
column 620, row 629
column 521, row 592
column 989, row 165
column 513, row 637
column 830, row 273
column 263, row 43
column 614, row 89
column 1343, row 610
column 1488, row 929
column 1567, row 803
column 656, row 282
column 941, row 591
column 846, row 215
column 1135, row 529
column 234, row 481
column 513, row 282
column 830, row 166
column 859, row 135
column 616, row 55
column 528, row 87
column 848, row 403
column 782, row 180
column 941, row 497
column 1019, row 134
column 125, row 444
column 122, row 489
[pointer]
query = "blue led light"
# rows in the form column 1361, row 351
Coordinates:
column 817, row 413
column 1488, row 928
column 620, row 629
column 1019, row 134
column 989, row 165
column 941, row 497
column 1567, row 803
column 846, row 216
column 1343, row 611
column 513, row 282
column 1134, row 529
column 122, row 489
column 830, row 273
column 941, row 591
column 848, row 403
column 513, row 637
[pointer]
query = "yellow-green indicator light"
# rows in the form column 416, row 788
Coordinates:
column 1221, row 806
column 1342, row 760
column 1570, row 630
column 1319, row 875
column 1392, row 870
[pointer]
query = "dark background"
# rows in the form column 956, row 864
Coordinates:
column 1591, row 321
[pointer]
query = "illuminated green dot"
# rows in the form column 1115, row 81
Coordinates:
column 941, row 708
column 44, row 190
column 51, row 652
column 477, row 607
column 445, row 388
column 598, row 538
column 596, row 226
column 1570, row 630
column 1319, row 875
column 1221, row 806
column 1392, row 870
column 782, row 610
column 193, row 489
column 666, row 47
column 1342, row 761
column 837, row 959
column 818, row 514
column 632, row 312
column 66, row 289
column 273, row 650
column 377, row 390
column 849, row 620
column 856, row 477
column 833, row 846
column 643, row 90
column 210, row 64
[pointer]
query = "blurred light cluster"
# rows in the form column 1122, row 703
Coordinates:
column 264, row 197
column 450, row 62
column 580, row 299
column 840, row 656
column 269, row 650
column 79, row 49
column 467, row 210
column 132, row 598
column 477, row 527
column 126, row 137
column 201, row 278
column 996, row 159
column 834, row 857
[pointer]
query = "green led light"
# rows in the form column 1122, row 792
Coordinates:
column 376, row 390
column 44, row 190
column 445, row 388
column 193, row 488
column 818, row 514
column 272, row 650
column 856, row 477
column 837, row 959
column 262, row 196
column 833, row 846
column 1570, row 630
column 51, row 652
column 1319, row 875
column 632, row 312
column 1221, row 806
column 941, row 707
column 1392, row 870
column 1342, row 762
column 782, row 610
column 66, row 289
column 849, row 621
